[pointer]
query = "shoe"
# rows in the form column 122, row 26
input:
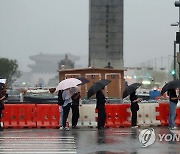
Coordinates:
column 101, row 128
column 65, row 128
column 60, row 128
column 173, row 128
column 134, row 127
column 75, row 127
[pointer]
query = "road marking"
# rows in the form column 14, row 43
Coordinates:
column 43, row 145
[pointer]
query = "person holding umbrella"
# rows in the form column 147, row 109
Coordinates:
column 134, row 108
column 170, row 88
column 100, row 106
column 173, row 100
column 97, row 88
column 66, row 107
column 131, row 90
column 75, row 96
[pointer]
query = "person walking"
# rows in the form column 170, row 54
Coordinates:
column 173, row 100
column 134, row 108
column 100, row 106
column 66, row 107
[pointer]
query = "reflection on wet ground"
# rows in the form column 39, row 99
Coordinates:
column 87, row 141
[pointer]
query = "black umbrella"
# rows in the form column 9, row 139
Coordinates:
column 170, row 85
column 130, row 89
column 97, row 86
column 83, row 80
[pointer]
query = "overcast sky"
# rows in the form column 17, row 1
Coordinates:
column 28, row 27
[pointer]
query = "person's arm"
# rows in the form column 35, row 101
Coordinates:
column 137, row 100
column 174, row 98
column 2, row 98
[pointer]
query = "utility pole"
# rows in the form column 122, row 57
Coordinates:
column 177, row 4
column 174, row 60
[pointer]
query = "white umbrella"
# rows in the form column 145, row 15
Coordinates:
column 68, row 83
column 3, row 81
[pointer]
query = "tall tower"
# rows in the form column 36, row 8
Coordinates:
column 106, row 33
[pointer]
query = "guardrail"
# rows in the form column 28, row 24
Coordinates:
column 118, row 115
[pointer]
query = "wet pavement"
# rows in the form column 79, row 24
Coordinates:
column 87, row 140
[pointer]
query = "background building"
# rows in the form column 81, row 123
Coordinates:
column 106, row 33
column 112, row 90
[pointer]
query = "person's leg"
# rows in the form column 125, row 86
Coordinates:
column 104, row 117
column 61, row 118
column 75, row 115
column 172, row 114
column 134, row 117
column 101, row 118
column 66, row 110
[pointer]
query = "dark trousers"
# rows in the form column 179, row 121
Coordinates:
column 101, row 117
column 75, row 114
column 66, row 110
column 134, row 117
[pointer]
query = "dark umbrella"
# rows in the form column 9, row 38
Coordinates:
column 97, row 86
column 170, row 85
column 130, row 89
column 83, row 80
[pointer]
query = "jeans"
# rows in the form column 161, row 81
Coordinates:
column 61, row 119
column 172, row 114
column 66, row 110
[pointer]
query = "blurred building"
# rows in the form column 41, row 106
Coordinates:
column 66, row 63
column 44, row 71
column 106, row 33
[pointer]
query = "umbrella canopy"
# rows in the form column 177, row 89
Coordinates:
column 83, row 80
column 97, row 86
column 130, row 89
column 3, row 81
column 170, row 85
column 68, row 83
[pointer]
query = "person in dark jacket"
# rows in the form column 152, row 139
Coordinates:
column 173, row 100
column 60, row 103
column 134, row 108
column 100, row 106
column 75, row 109
column 3, row 96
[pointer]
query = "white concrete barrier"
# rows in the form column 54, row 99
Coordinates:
column 147, row 114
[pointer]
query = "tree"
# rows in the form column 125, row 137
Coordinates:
column 9, row 70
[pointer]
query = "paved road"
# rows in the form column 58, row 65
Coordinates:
column 87, row 141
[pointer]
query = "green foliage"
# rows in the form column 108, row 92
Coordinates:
column 9, row 70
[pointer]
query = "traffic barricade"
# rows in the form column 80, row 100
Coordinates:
column 117, row 115
column 87, row 115
column 177, row 120
column 47, row 115
column 110, row 117
column 147, row 114
column 19, row 116
column 163, row 110
column 124, row 115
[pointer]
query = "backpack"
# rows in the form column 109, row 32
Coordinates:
column 60, row 99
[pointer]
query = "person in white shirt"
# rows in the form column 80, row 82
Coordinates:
column 66, row 106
